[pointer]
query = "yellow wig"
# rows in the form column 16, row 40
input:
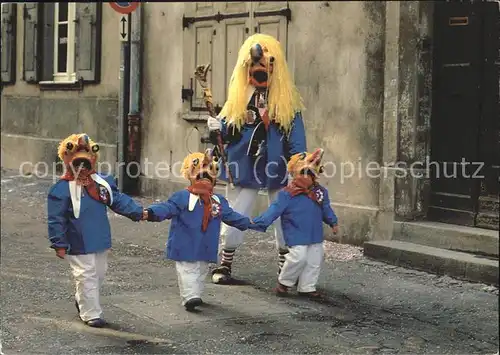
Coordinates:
column 284, row 100
column 188, row 163
column 294, row 160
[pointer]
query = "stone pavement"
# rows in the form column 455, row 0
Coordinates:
column 372, row 308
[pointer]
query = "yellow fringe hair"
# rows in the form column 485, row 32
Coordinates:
column 284, row 100
column 73, row 139
column 294, row 160
column 188, row 162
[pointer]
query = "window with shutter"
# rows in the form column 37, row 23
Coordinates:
column 31, row 39
column 62, row 43
column 272, row 17
column 8, row 43
column 200, row 47
column 47, row 50
column 214, row 33
column 234, row 32
column 88, row 41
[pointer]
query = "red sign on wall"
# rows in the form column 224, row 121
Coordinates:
column 124, row 7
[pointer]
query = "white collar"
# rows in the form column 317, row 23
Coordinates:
column 194, row 198
column 75, row 192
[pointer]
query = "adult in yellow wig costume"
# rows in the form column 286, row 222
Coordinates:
column 261, row 123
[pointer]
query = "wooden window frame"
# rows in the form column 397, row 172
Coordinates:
column 68, row 77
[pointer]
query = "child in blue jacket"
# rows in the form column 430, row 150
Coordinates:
column 303, row 207
column 78, row 224
column 197, row 214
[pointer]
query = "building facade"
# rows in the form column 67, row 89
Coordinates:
column 387, row 91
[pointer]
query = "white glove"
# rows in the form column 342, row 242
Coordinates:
column 213, row 124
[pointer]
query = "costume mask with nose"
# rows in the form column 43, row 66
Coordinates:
column 201, row 168
column 260, row 68
column 79, row 154
column 305, row 167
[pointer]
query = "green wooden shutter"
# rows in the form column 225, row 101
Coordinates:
column 9, row 16
column 88, row 41
column 31, row 37
column 47, row 44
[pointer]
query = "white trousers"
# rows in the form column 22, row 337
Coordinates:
column 191, row 279
column 89, row 271
column 303, row 262
column 242, row 200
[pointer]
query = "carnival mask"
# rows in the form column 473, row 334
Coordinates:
column 260, row 68
column 79, row 152
column 201, row 166
column 306, row 164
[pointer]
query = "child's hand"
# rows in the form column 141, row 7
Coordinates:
column 335, row 229
column 60, row 253
column 145, row 215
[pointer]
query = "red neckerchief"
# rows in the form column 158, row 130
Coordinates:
column 204, row 190
column 85, row 180
column 302, row 185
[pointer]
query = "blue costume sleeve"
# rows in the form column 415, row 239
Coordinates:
column 57, row 207
column 233, row 218
column 329, row 216
column 123, row 204
column 159, row 212
column 297, row 136
column 275, row 210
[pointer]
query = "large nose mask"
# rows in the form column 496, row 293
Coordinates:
column 261, row 67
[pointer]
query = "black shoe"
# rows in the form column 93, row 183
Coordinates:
column 96, row 323
column 192, row 304
column 221, row 275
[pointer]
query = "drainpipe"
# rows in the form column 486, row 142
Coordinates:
column 134, row 114
column 123, row 106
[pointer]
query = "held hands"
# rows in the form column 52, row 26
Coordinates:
column 213, row 124
column 335, row 229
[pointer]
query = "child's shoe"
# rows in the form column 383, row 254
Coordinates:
column 96, row 323
column 191, row 304
column 281, row 290
column 312, row 295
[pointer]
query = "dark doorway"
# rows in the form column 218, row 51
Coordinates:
column 465, row 123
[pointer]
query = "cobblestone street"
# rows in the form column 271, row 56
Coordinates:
column 372, row 308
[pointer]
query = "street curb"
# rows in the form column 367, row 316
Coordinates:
column 448, row 236
column 434, row 260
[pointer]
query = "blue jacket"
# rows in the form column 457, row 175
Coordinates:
column 186, row 241
column 250, row 172
column 301, row 217
column 90, row 232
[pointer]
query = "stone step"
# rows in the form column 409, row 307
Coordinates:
column 448, row 236
column 456, row 264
